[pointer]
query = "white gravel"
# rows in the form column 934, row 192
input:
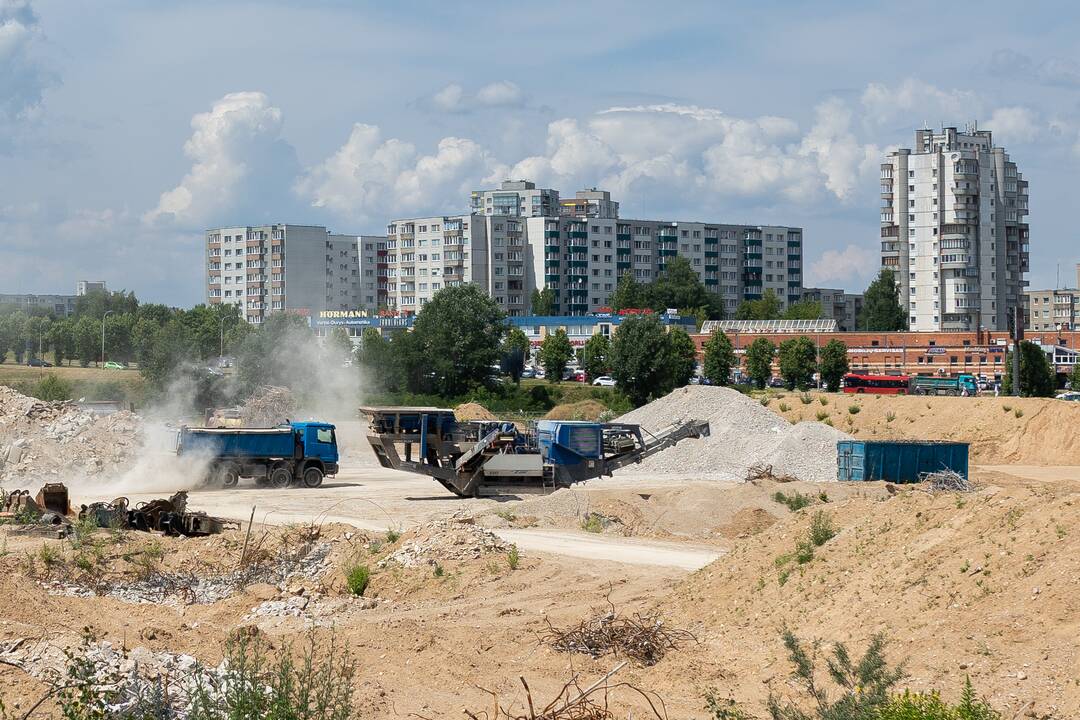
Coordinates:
column 743, row 433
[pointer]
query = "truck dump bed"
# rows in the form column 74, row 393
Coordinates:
column 238, row 442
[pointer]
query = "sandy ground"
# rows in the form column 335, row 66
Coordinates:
column 982, row 584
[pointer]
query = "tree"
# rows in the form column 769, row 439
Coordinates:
column 759, row 357
column 555, row 353
column 881, row 305
column 640, row 358
column 283, row 352
column 62, row 340
column 96, row 302
column 679, row 286
column 719, row 358
column 339, row 345
column 629, row 293
column 87, row 337
column 594, row 356
column 1074, row 377
column 515, row 351
column 543, row 301
column 798, row 361
column 454, row 342
column 378, row 362
column 803, row 310
column 1037, row 377
column 682, row 358
column 767, row 308
column 833, row 364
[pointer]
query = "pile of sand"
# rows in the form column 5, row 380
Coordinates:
column 583, row 410
column 473, row 411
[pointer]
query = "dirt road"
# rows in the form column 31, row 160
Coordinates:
column 373, row 498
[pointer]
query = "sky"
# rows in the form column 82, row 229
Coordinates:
column 129, row 127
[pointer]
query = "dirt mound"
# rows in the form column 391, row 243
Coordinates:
column 583, row 410
column 473, row 411
column 1001, row 430
column 742, row 433
column 49, row 441
column 980, row 584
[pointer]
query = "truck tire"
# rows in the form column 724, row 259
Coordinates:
column 227, row 475
column 313, row 476
column 281, row 477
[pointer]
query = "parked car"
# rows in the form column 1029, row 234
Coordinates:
column 114, row 365
column 604, row 381
column 1073, row 396
column 776, row 382
column 540, row 374
column 38, row 362
column 528, row 373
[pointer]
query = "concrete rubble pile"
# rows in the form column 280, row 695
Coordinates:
column 195, row 589
column 268, row 406
column 441, row 540
column 44, row 441
column 742, row 434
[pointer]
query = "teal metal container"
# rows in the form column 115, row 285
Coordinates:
column 898, row 462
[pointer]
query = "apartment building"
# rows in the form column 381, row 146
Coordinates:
column 838, row 305
column 1050, row 310
column 300, row 268
column 516, row 198
column 582, row 259
column 83, row 287
column 590, row 203
column 954, row 230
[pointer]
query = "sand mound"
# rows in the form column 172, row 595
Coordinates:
column 980, row 584
column 472, row 411
column 743, row 433
column 1043, row 434
column 583, row 410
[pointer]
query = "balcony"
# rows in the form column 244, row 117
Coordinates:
column 890, row 231
column 962, row 191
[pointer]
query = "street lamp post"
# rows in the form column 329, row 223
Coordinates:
column 221, row 339
column 107, row 312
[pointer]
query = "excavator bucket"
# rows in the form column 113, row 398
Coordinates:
column 53, row 497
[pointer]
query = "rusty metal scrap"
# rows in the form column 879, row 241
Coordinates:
column 166, row 515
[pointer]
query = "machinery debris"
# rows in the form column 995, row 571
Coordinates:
column 166, row 515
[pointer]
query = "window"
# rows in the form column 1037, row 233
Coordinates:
column 324, row 435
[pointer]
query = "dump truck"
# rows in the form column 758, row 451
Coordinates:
column 473, row 458
column 950, row 385
column 301, row 453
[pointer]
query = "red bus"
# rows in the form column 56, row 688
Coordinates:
column 877, row 384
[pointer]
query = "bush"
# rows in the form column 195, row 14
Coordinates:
column 513, row 558
column 854, row 409
column 357, row 578
column 821, row 528
column 806, row 398
column 392, row 535
column 804, row 552
column 1018, row 413
column 821, row 415
column 823, row 400
column 794, row 502
column 592, row 523
column 51, row 388
column 784, row 407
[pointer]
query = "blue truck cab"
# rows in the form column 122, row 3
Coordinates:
column 299, row 452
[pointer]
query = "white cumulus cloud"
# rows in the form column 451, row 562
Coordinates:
column 240, row 164
column 455, row 99
column 853, row 266
column 23, row 77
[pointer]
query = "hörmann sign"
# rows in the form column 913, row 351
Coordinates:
column 344, row 318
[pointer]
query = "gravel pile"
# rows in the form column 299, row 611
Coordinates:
column 50, row 441
column 441, row 540
column 743, row 433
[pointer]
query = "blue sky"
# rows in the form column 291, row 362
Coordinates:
column 126, row 128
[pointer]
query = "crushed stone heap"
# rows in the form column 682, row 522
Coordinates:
column 743, row 433
column 442, row 540
column 55, row 441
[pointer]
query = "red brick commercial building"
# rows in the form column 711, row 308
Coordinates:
column 917, row 353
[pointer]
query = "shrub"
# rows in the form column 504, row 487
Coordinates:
column 592, row 523
column 804, row 552
column 765, row 400
column 795, row 502
column 890, row 416
column 513, row 558
column 357, row 578
column 392, row 536
column 1006, row 408
column 784, row 407
column 821, row 528
column 821, row 415
column 52, row 388
column 854, row 409
column 1018, row 413
column 439, row 571
column 806, row 398
column 723, row 708
column 823, row 400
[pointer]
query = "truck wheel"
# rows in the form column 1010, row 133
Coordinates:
column 228, row 475
column 313, row 477
column 280, row 477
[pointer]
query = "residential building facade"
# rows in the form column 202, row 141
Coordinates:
column 954, row 230
column 838, row 305
column 516, row 198
column 1049, row 310
column 84, row 286
column 590, row 203
column 59, row 305
column 300, row 268
column 582, row 259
